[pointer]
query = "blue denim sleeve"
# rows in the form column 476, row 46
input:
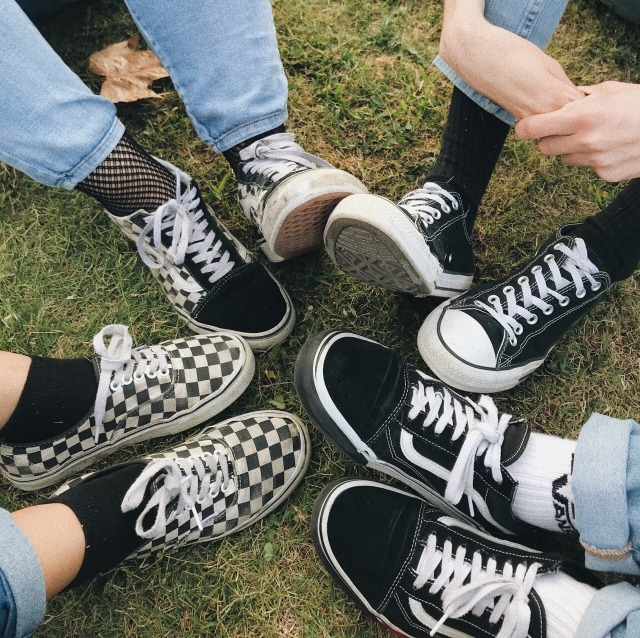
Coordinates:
column 22, row 590
column 534, row 20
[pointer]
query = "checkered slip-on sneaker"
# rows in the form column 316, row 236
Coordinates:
column 421, row 246
column 288, row 194
column 143, row 393
column 378, row 409
column 217, row 482
column 207, row 275
column 421, row 572
column 492, row 337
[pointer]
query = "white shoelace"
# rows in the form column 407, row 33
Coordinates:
column 483, row 586
column 121, row 364
column 190, row 233
column 577, row 265
column 277, row 155
column 420, row 202
column 484, row 428
column 191, row 480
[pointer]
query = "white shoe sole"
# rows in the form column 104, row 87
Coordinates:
column 296, row 212
column 458, row 374
column 371, row 239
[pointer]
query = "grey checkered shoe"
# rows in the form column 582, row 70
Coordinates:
column 143, row 393
column 217, row 482
column 207, row 275
column 288, row 194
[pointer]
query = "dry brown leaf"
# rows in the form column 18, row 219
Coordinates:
column 127, row 71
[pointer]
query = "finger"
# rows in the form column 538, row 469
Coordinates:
column 544, row 125
column 560, row 145
column 577, row 159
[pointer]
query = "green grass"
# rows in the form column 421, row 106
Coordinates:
column 364, row 96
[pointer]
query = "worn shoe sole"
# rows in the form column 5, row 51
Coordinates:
column 371, row 239
column 203, row 411
column 296, row 212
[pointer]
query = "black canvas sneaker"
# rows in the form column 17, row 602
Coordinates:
column 208, row 276
column 217, row 482
column 378, row 409
column 143, row 393
column 421, row 572
column 491, row 337
column 420, row 246
column 288, row 194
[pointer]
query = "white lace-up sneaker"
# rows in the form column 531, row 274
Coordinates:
column 143, row 393
column 492, row 337
column 420, row 246
column 288, row 194
column 208, row 276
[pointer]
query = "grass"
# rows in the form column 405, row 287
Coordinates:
column 364, row 96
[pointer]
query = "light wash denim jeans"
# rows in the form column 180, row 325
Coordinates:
column 534, row 20
column 222, row 57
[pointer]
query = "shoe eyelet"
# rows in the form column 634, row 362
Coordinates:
column 508, row 289
column 127, row 380
column 513, row 342
column 213, row 494
column 518, row 329
column 493, row 298
column 581, row 295
column 200, row 499
column 230, row 488
column 564, row 301
column 548, row 258
column 548, row 310
column 446, row 209
column 163, row 373
column 523, row 280
column 150, row 374
column 536, row 269
column 596, row 287
column 532, row 320
column 456, row 205
column 138, row 376
column 115, row 386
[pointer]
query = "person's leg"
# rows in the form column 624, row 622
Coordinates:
column 627, row 9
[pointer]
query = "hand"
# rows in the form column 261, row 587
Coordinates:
column 506, row 68
column 601, row 131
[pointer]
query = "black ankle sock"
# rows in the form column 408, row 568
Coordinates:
column 109, row 533
column 129, row 179
column 614, row 233
column 233, row 154
column 471, row 144
column 58, row 393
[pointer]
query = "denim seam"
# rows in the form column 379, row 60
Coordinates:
column 277, row 115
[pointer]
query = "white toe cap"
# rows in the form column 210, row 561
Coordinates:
column 464, row 336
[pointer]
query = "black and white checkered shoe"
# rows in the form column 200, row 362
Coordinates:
column 421, row 572
column 217, row 482
column 208, row 276
column 143, row 393
column 378, row 409
column 492, row 337
column 288, row 194
column 420, row 246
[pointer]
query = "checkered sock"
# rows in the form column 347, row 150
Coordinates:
column 57, row 395
column 109, row 534
column 544, row 497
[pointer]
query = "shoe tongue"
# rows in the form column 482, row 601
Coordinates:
column 515, row 441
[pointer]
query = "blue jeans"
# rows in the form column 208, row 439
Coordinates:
column 223, row 60
column 22, row 592
column 534, row 20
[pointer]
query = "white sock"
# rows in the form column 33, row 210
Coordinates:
column 544, row 497
column 565, row 601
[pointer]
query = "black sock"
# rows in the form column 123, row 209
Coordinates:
column 109, row 533
column 471, row 144
column 614, row 233
column 233, row 154
column 129, row 179
column 58, row 393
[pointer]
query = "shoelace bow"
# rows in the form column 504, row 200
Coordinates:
column 470, row 587
column 277, row 155
column 121, row 364
column 483, row 425
column 190, row 480
column 420, row 202
column 577, row 265
column 183, row 220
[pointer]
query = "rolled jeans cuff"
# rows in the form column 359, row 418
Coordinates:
column 23, row 575
column 615, row 606
column 600, row 490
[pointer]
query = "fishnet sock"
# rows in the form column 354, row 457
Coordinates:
column 129, row 179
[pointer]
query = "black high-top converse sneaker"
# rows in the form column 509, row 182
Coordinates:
column 143, row 393
column 493, row 336
column 207, row 275
column 379, row 410
column 421, row 572
column 420, row 246
column 288, row 194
